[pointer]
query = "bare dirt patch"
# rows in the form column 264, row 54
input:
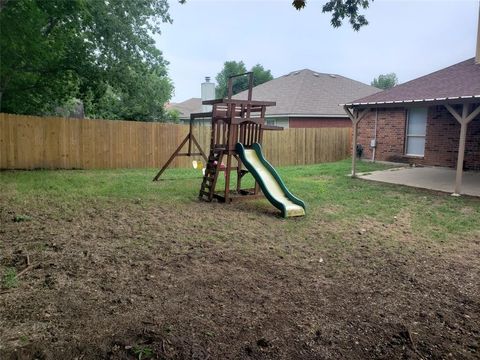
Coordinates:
column 207, row 281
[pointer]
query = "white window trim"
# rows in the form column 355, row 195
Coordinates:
column 407, row 135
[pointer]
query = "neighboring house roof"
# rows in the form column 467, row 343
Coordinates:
column 459, row 81
column 309, row 93
column 192, row 105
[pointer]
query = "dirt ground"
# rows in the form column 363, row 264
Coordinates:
column 134, row 280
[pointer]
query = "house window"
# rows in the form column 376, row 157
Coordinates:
column 416, row 131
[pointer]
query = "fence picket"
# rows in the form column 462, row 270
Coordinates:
column 30, row 142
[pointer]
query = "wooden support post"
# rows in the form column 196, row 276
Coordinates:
column 256, row 189
column 354, row 148
column 464, row 119
column 239, row 173
column 227, row 178
column 190, row 138
column 355, row 117
column 175, row 153
column 190, row 135
column 460, row 158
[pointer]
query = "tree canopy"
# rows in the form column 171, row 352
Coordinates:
column 100, row 52
column 341, row 9
column 386, row 81
column 230, row 68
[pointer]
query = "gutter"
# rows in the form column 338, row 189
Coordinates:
column 305, row 115
column 467, row 97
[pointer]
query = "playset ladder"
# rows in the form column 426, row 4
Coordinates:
column 213, row 167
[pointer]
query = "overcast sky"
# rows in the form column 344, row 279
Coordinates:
column 410, row 38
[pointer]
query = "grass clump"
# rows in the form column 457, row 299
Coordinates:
column 142, row 352
column 21, row 218
column 9, row 278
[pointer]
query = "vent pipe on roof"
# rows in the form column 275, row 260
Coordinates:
column 208, row 93
column 477, row 57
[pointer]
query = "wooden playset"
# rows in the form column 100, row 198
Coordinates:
column 234, row 122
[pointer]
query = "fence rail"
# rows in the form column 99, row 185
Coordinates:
column 29, row 142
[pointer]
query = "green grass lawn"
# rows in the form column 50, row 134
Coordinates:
column 326, row 189
column 372, row 271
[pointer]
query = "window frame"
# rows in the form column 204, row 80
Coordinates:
column 407, row 135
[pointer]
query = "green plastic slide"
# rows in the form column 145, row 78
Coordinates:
column 270, row 182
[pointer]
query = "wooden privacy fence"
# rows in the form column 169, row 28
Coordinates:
column 29, row 142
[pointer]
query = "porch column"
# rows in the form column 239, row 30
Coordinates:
column 355, row 116
column 464, row 119
column 354, row 147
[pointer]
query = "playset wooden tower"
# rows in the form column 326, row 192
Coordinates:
column 237, row 128
column 232, row 121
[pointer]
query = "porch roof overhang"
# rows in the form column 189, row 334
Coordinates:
column 452, row 100
column 357, row 111
column 458, row 84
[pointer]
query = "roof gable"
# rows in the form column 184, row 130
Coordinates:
column 306, row 92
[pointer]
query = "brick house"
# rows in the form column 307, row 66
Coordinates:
column 309, row 99
column 433, row 120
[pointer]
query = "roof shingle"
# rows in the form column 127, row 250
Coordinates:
column 192, row 105
column 306, row 92
column 459, row 80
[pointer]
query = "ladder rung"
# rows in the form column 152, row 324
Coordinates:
column 213, row 167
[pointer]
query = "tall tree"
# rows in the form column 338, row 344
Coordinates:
column 386, row 81
column 341, row 9
column 141, row 97
column 96, row 51
column 260, row 75
column 230, row 68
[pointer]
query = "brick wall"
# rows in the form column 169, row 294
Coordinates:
column 319, row 122
column 390, row 134
column 441, row 145
column 443, row 134
column 472, row 148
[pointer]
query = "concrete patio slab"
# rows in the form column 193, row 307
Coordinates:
column 432, row 178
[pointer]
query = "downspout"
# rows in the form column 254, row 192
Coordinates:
column 375, row 135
